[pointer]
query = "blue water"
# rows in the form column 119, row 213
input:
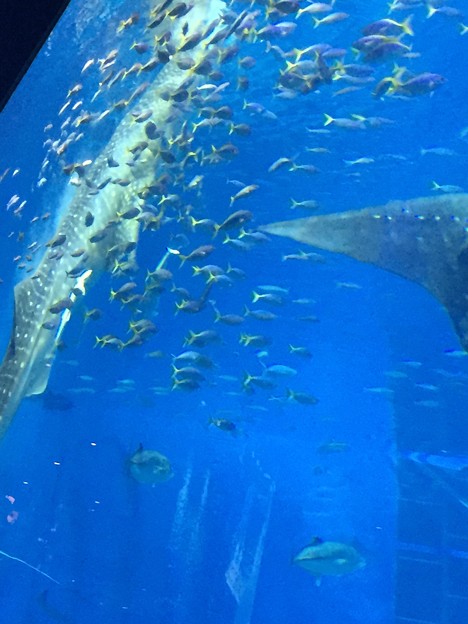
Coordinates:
column 215, row 543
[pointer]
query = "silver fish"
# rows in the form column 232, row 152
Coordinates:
column 329, row 559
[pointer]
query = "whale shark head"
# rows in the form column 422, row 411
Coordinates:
column 424, row 240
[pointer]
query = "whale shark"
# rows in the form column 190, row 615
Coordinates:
column 424, row 240
column 91, row 232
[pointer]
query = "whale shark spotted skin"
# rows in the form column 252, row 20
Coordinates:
column 424, row 240
column 29, row 356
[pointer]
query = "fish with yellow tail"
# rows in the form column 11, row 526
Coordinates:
column 93, row 220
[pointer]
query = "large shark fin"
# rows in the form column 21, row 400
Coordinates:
column 39, row 377
column 424, row 240
column 38, row 356
column 32, row 349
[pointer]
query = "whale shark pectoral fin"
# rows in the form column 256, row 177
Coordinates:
column 26, row 357
column 42, row 350
column 39, row 376
column 32, row 347
column 424, row 240
column 30, row 350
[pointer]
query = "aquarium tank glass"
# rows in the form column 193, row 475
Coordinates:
column 234, row 316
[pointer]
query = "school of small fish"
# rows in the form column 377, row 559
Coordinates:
column 205, row 249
